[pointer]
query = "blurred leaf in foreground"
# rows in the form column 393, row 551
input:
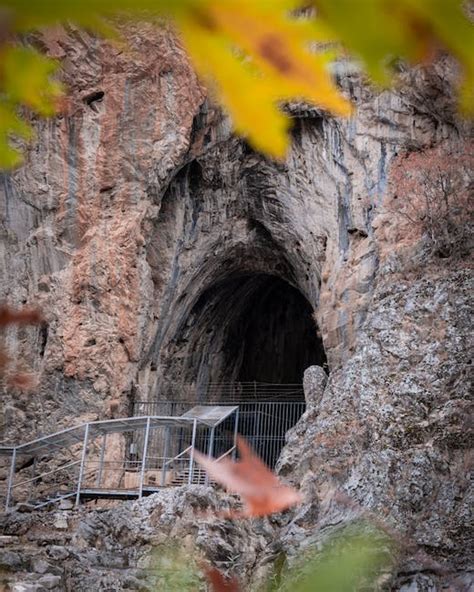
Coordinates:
column 174, row 569
column 260, row 489
column 379, row 32
column 219, row 583
column 254, row 54
column 13, row 373
column 352, row 561
column 26, row 80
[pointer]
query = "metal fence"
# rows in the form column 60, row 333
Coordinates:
column 90, row 461
column 232, row 392
column 262, row 423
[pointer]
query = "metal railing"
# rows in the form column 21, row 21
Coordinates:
column 75, row 463
column 263, row 424
column 233, row 392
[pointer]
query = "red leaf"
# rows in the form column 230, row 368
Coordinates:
column 24, row 316
column 219, row 583
column 23, row 381
column 259, row 488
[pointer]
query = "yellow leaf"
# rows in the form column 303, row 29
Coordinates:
column 278, row 45
column 249, row 98
column 276, row 65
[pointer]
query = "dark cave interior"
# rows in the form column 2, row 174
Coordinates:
column 247, row 327
column 276, row 333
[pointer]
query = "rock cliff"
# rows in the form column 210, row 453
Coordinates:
column 165, row 252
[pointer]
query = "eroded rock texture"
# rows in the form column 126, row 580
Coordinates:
column 165, row 252
column 132, row 546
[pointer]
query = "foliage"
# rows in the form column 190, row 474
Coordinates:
column 254, row 54
column 12, row 372
column 356, row 558
column 176, row 570
column 431, row 194
column 348, row 561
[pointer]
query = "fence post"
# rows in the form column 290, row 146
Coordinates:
column 11, row 478
column 236, row 427
column 101, row 460
column 165, row 456
column 145, row 452
column 210, row 451
column 81, row 468
column 191, row 456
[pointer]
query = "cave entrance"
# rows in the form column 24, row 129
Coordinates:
column 273, row 336
column 271, row 339
column 246, row 340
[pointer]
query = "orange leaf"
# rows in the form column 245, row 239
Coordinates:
column 24, row 316
column 23, row 381
column 218, row 582
column 259, row 488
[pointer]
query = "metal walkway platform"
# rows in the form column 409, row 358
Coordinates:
column 113, row 460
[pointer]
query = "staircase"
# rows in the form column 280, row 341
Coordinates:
column 199, row 477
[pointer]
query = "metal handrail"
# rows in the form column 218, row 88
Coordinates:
column 178, row 455
column 41, row 475
column 116, row 462
column 226, row 453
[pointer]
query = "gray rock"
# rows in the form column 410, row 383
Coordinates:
column 40, row 566
column 60, row 521
column 50, row 582
column 25, row 587
column 57, row 552
column 314, row 383
column 11, row 559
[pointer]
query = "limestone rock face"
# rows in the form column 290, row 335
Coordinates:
column 148, row 233
column 159, row 245
column 314, row 383
column 74, row 220
column 391, row 433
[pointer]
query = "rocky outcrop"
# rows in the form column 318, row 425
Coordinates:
column 391, row 433
column 147, row 232
column 139, row 545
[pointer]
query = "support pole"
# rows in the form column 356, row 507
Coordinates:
column 81, row 468
column 145, row 452
column 210, row 450
column 33, row 475
column 165, row 456
column 11, row 478
column 101, row 460
column 236, row 428
column 191, row 456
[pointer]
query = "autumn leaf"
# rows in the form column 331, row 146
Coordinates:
column 259, row 488
column 23, row 381
column 279, row 45
column 23, row 316
column 255, row 55
column 14, row 378
column 218, row 582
